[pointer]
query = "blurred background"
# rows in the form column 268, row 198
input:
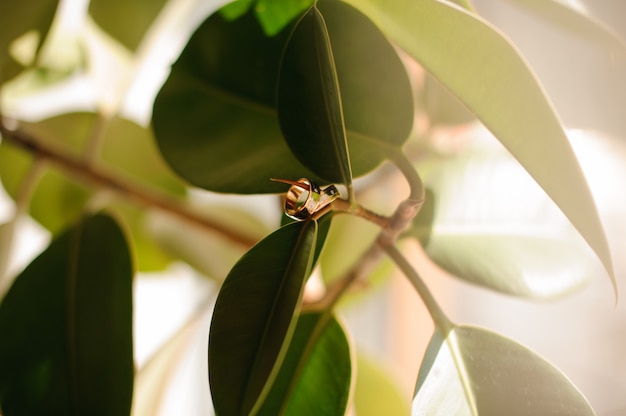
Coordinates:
column 583, row 334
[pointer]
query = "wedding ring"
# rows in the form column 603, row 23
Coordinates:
column 304, row 198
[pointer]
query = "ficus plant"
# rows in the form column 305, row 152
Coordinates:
column 295, row 100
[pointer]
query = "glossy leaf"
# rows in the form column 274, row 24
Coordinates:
column 316, row 375
column 309, row 102
column 215, row 117
column 377, row 392
column 125, row 20
column 67, row 327
column 477, row 372
column 485, row 72
column 255, row 315
column 17, row 19
column 493, row 226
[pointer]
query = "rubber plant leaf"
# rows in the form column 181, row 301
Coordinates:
column 255, row 315
column 67, row 344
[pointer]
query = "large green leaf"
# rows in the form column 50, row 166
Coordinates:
column 495, row 227
column 126, row 20
column 255, row 315
column 18, row 18
column 316, row 375
column 66, row 327
column 309, row 102
column 476, row 372
column 215, row 118
column 481, row 68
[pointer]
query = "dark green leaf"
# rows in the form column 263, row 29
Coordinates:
column 315, row 377
column 486, row 72
column 66, row 327
column 215, row 118
column 476, row 372
column 125, row 20
column 17, row 18
column 309, row 104
column 255, row 315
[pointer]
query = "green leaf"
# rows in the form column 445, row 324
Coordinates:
column 486, row 73
column 125, row 20
column 67, row 327
column 255, row 315
column 476, row 372
column 377, row 393
column 274, row 16
column 17, row 19
column 495, row 227
column 316, row 375
column 215, row 117
column 236, row 9
column 309, row 102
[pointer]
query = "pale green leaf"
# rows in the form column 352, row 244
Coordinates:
column 493, row 226
column 485, row 72
column 472, row 372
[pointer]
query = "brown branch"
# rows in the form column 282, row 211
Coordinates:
column 392, row 227
column 94, row 175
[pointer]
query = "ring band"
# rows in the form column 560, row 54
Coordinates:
column 305, row 198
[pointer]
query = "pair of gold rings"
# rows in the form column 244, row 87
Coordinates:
column 305, row 199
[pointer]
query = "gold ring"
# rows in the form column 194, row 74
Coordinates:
column 304, row 198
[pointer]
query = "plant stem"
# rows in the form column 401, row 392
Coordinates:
column 405, row 166
column 439, row 317
column 94, row 175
